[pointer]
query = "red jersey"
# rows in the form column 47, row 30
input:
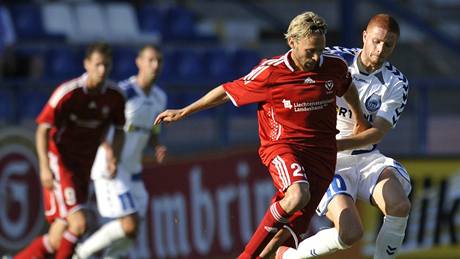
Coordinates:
column 297, row 110
column 79, row 119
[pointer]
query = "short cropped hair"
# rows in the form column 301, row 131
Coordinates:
column 98, row 47
column 304, row 25
column 156, row 48
column 385, row 21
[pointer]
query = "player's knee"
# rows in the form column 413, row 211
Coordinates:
column 351, row 235
column 401, row 208
column 78, row 227
column 299, row 196
column 130, row 225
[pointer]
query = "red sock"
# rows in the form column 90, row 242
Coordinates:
column 274, row 219
column 38, row 249
column 67, row 247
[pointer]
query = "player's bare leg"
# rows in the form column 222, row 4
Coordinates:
column 347, row 230
column 76, row 228
column 110, row 233
column 391, row 199
column 296, row 197
column 46, row 244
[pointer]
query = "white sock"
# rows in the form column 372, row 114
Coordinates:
column 102, row 238
column 119, row 248
column 324, row 242
column 390, row 237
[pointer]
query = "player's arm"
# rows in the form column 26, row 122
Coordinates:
column 41, row 142
column 116, row 148
column 213, row 98
column 369, row 136
column 352, row 98
column 160, row 150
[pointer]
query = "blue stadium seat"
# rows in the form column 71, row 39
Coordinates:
column 124, row 64
column 32, row 102
column 190, row 65
column 180, row 24
column 220, row 65
column 28, row 23
column 151, row 19
column 6, row 106
column 62, row 63
column 246, row 60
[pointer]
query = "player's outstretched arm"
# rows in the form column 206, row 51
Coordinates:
column 41, row 142
column 213, row 98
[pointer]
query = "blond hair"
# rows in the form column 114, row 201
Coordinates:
column 304, row 25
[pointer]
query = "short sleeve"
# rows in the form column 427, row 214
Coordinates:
column 46, row 116
column 344, row 82
column 252, row 88
column 394, row 102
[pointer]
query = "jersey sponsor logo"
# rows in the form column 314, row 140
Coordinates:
column 373, row 102
column 105, row 111
column 92, row 105
column 355, row 78
column 21, row 207
column 312, row 106
column 329, row 84
column 309, row 80
column 287, row 104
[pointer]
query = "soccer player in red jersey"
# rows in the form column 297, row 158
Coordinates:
column 70, row 128
column 296, row 94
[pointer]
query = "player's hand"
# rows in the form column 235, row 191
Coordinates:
column 169, row 116
column 112, row 167
column 46, row 178
column 160, row 153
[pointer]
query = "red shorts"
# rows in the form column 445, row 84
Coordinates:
column 70, row 191
column 287, row 169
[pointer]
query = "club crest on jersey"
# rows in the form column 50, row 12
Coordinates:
column 287, row 104
column 329, row 84
column 373, row 102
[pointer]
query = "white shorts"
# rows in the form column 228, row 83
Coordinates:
column 123, row 195
column 357, row 175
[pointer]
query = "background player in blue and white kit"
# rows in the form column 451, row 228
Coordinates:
column 124, row 198
column 362, row 172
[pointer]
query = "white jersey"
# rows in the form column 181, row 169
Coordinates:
column 382, row 93
column 140, row 112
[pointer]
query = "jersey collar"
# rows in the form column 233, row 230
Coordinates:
column 82, row 82
column 355, row 65
column 289, row 66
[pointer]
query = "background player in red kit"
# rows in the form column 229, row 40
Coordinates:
column 70, row 128
column 296, row 94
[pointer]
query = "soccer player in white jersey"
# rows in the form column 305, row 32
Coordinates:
column 124, row 198
column 362, row 172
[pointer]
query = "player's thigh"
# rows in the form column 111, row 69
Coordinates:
column 70, row 188
column 345, row 182
column 343, row 213
column 383, row 176
column 287, row 169
column 140, row 195
column 114, row 198
column 389, row 194
column 77, row 222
